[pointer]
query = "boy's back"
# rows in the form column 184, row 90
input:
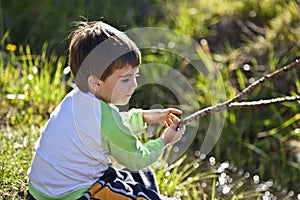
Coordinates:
column 69, row 151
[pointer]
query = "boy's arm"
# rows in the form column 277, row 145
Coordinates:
column 119, row 141
column 134, row 119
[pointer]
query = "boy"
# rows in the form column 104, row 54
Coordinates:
column 71, row 160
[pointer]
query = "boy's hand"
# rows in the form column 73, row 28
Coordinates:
column 172, row 134
column 165, row 117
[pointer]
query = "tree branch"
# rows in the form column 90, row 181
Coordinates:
column 263, row 102
column 230, row 103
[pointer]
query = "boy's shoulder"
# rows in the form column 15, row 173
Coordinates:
column 79, row 106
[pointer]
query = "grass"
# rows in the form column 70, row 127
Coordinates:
column 16, row 153
column 31, row 88
column 253, row 143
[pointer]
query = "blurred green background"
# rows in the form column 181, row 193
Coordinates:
column 243, row 39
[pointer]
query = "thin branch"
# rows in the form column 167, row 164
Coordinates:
column 227, row 104
column 263, row 102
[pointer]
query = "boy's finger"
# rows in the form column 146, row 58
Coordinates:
column 176, row 121
column 166, row 125
column 175, row 111
column 169, row 121
column 172, row 116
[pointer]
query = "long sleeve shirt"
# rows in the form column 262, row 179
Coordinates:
column 75, row 144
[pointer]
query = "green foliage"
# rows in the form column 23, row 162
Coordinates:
column 184, row 179
column 261, row 36
column 181, row 180
column 16, row 153
column 36, row 22
column 31, row 84
column 256, row 137
column 194, row 178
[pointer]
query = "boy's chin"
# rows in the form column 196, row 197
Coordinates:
column 121, row 103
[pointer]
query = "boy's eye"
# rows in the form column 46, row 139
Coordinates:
column 134, row 76
column 125, row 80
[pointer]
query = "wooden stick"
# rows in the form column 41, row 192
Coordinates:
column 229, row 103
column 263, row 102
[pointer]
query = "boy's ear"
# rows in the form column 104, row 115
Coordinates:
column 94, row 83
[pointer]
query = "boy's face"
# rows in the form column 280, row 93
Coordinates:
column 118, row 87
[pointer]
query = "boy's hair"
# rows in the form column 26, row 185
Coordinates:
column 98, row 49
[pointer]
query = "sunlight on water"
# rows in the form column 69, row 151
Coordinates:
column 256, row 179
column 230, row 177
column 212, row 161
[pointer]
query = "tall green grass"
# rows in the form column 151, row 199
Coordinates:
column 31, row 86
column 253, row 140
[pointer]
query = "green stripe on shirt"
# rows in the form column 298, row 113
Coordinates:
column 121, row 143
column 39, row 195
